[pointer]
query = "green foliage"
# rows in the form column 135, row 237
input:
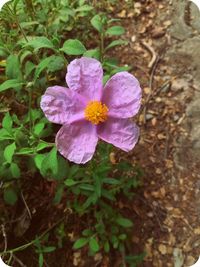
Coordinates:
column 97, row 23
column 10, row 84
column 39, row 42
column 9, row 152
column 38, row 39
column 73, row 47
column 80, row 243
column 115, row 30
column 10, row 196
column 41, row 249
column 124, row 222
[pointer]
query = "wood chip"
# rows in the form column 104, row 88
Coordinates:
column 163, row 249
column 197, row 231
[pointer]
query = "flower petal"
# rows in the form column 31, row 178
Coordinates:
column 85, row 76
column 122, row 95
column 61, row 105
column 77, row 141
column 122, row 133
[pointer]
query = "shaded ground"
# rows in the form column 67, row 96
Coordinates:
column 168, row 150
column 165, row 209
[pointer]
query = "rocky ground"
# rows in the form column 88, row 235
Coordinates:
column 166, row 39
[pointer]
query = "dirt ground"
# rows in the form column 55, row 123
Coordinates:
column 165, row 47
column 164, row 55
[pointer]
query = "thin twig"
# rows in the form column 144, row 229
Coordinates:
column 123, row 259
column 5, row 237
column 33, row 241
column 154, row 212
column 153, row 53
column 28, row 210
column 167, row 143
column 151, row 87
column 19, row 261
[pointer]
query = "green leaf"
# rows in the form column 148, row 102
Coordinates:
column 50, row 163
column 48, row 249
column 84, row 8
column 124, row 166
column 86, row 187
column 10, row 196
column 73, row 171
column 93, row 244
column 96, row 22
column 70, row 182
column 73, row 47
column 29, row 67
column 87, row 232
column 134, row 260
column 4, row 135
column 13, row 68
column 92, row 199
column 27, row 24
column 7, row 122
column 111, row 181
column 94, row 53
column 107, row 194
column 52, row 63
column 40, row 42
column 14, row 83
column 15, row 170
column 26, row 151
column 124, row 222
column 42, row 145
column 81, row 2
column 80, row 243
column 38, row 128
column 9, row 152
column 116, row 43
column 115, row 241
column 63, row 169
column 38, row 160
column 24, row 55
column 41, row 260
column 106, row 78
column 42, row 65
column 3, row 52
column 113, row 20
column 58, row 194
column 122, row 237
column 97, row 185
column 115, row 30
column 57, row 63
column 106, row 247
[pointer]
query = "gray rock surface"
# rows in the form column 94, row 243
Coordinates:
column 184, row 55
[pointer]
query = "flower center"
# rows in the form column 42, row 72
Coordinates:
column 96, row 112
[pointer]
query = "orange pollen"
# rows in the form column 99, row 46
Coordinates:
column 96, row 112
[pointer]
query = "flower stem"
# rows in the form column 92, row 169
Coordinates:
column 102, row 46
column 31, row 242
column 18, row 23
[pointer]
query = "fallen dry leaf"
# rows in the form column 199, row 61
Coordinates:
column 163, row 249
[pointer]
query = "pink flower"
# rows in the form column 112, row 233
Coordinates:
column 88, row 111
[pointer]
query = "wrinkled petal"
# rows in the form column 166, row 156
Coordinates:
column 122, row 133
column 122, row 95
column 77, row 141
column 61, row 105
column 85, row 76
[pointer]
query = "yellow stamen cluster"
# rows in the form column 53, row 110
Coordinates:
column 96, row 112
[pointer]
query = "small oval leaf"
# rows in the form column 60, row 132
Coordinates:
column 81, row 242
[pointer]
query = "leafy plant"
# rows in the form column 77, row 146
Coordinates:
column 38, row 39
